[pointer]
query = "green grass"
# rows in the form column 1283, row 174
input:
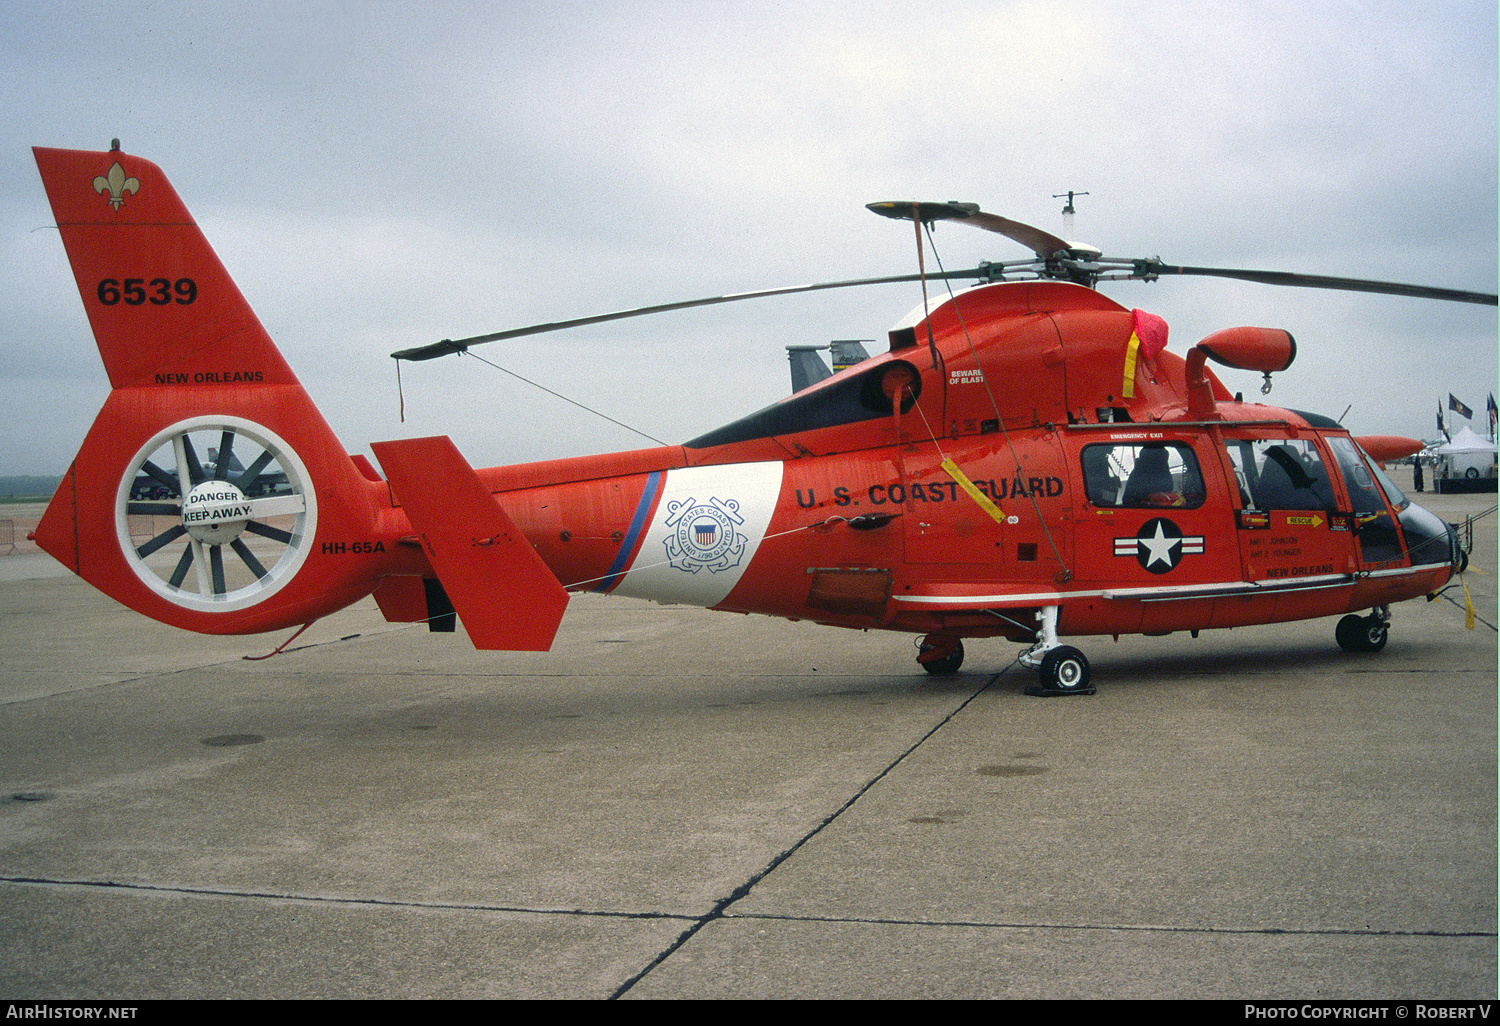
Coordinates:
column 27, row 488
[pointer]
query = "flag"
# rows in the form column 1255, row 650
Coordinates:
column 1459, row 408
column 1494, row 412
column 1148, row 336
column 1440, row 423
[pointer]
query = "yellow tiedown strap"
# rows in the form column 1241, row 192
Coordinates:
column 973, row 492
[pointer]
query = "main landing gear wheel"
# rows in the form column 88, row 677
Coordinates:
column 1361, row 633
column 227, row 508
column 944, row 655
column 1063, row 671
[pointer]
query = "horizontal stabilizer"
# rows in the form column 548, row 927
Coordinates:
column 505, row 595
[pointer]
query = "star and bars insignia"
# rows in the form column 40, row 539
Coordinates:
column 1159, row 545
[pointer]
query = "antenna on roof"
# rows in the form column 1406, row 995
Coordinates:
column 1068, row 210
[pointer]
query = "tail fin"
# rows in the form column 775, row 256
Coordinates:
column 506, row 596
column 209, row 491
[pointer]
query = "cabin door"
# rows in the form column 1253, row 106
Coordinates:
column 1149, row 522
column 1287, row 515
column 1374, row 526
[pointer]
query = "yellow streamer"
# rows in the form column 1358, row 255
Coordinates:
column 1127, row 387
column 973, row 492
column 1468, row 606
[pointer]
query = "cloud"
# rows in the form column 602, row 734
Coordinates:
column 381, row 175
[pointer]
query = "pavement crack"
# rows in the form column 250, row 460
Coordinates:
column 721, row 907
column 981, row 924
column 337, row 899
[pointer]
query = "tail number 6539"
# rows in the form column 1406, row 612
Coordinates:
column 157, row 291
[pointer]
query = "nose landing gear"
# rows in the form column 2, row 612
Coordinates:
column 1364, row 633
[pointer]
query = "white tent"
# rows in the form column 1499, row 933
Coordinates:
column 1468, row 463
column 1465, row 441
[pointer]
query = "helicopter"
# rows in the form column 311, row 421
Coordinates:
column 1026, row 461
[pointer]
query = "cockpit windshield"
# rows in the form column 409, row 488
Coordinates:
column 1398, row 498
column 1364, row 493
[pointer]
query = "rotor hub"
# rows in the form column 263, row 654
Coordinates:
column 215, row 512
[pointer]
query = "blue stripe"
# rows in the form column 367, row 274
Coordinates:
column 637, row 524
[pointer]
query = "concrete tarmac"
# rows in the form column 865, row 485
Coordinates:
column 682, row 804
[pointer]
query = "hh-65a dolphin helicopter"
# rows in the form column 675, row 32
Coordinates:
column 1026, row 461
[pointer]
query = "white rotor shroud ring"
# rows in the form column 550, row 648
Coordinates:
column 208, row 570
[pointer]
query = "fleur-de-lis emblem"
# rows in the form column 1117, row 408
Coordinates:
column 117, row 184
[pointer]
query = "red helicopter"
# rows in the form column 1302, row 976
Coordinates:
column 1026, row 461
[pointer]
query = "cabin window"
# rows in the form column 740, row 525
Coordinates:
column 1281, row 473
column 1153, row 475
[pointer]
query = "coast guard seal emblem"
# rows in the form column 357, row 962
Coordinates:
column 703, row 535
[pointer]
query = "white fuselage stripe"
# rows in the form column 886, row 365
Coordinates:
column 1161, row 593
column 707, row 527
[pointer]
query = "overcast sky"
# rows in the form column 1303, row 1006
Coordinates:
column 382, row 175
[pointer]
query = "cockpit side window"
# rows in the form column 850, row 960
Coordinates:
column 1154, row 475
column 1396, row 496
column 1281, row 473
column 1379, row 540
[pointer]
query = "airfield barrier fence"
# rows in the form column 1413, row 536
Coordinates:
column 141, row 527
column 7, row 537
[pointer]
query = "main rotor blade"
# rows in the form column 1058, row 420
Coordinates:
column 448, row 346
column 1043, row 244
column 1149, row 268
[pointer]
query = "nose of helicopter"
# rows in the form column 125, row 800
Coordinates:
column 1430, row 540
column 1460, row 554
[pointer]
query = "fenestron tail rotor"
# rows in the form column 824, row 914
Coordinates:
column 197, row 495
column 207, row 531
